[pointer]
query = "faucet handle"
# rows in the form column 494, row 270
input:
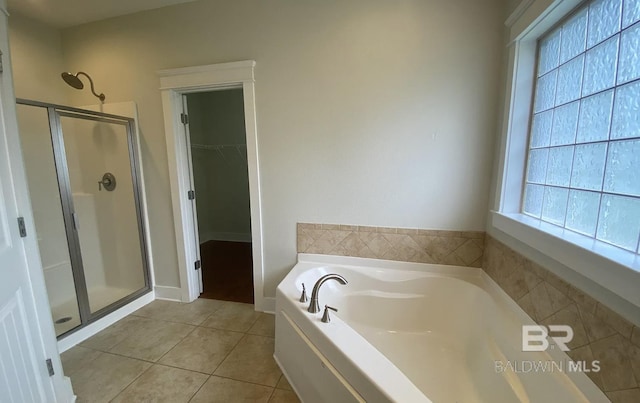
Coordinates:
column 325, row 316
column 303, row 297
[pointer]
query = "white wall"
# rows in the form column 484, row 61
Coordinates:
column 369, row 112
column 36, row 57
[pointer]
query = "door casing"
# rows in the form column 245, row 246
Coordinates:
column 174, row 84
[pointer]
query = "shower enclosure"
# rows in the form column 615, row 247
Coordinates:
column 83, row 174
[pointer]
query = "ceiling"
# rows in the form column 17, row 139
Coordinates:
column 68, row 13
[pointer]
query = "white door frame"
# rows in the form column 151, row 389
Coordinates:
column 173, row 84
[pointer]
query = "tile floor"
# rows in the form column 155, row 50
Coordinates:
column 205, row 351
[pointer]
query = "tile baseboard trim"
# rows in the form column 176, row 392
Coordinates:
column 168, row 293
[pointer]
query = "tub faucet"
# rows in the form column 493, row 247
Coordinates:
column 314, row 306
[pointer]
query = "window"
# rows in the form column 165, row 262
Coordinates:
column 583, row 163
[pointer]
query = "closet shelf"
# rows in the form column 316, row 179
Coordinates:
column 217, row 146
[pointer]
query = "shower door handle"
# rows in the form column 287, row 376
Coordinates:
column 76, row 222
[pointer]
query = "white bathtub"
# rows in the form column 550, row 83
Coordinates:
column 410, row 332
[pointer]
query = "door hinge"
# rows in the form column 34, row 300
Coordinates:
column 184, row 118
column 191, row 194
column 197, row 264
column 1, row 65
column 50, row 367
column 21, row 227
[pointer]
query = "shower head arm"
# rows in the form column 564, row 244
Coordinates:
column 99, row 96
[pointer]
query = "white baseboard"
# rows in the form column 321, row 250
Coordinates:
column 225, row 236
column 88, row 331
column 68, row 396
column 268, row 305
column 168, row 293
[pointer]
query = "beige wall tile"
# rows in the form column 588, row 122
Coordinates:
column 585, row 302
column 634, row 357
column 599, row 333
column 513, row 282
column 460, row 248
column 625, row 396
column 304, row 241
column 635, row 336
column 527, row 305
column 558, row 283
column 477, row 263
column 379, row 245
column 595, row 327
column 351, row 244
column 469, row 251
column 407, row 231
column 386, row 230
column 362, row 228
column 308, row 226
column 615, row 364
column 614, row 320
column 422, row 257
column 570, row 316
column 586, row 355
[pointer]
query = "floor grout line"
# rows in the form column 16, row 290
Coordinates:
column 228, row 354
column 130, row 383
column 243, row 335
column 201, row 386
column 241, row 381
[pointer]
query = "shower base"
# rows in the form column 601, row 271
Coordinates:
column 65, row 315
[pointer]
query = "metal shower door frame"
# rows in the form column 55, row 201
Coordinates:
column 55, row 112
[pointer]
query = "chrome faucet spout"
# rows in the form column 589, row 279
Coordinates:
column 314, row 306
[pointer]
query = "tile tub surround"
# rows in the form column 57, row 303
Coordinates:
column 459, row 248
column 599, row 333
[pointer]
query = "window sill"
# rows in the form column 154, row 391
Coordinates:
column 613, row 268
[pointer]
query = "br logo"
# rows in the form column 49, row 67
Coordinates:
column 535, row 337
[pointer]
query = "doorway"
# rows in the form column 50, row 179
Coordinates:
column 84, row 182
column 174, row 83
column 215, row 127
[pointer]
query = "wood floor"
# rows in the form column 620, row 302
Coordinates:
column 227, row 271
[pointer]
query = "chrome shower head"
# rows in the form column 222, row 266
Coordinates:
column 74, row 81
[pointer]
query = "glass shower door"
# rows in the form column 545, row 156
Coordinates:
column 55, row 256
column 102, row 188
